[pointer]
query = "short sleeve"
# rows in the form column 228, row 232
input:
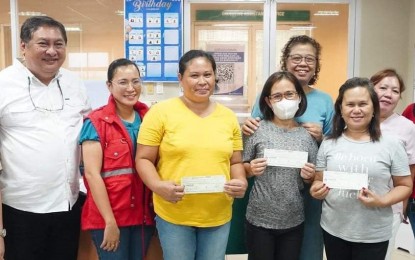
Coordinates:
column 400, row 166
column 321, row 160
column 249, row 148
column 312, row 151
column 328, row 121
column 410, row 145
column 88, row 132
column 152, row 128
column 256, row 111
column 237, row 136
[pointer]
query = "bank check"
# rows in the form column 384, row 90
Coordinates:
column 345, row 180
column 203, row 184
column 285, row 158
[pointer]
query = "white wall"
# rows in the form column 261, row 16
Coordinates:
column 386, row 40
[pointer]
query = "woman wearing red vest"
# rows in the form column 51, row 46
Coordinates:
column 117, row 210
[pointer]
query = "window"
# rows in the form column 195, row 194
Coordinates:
column 227, row 28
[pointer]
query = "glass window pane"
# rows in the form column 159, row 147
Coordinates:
column 328, row 24
column 5, row 35
column 233, row 34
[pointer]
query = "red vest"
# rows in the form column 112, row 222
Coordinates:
column 130, row 199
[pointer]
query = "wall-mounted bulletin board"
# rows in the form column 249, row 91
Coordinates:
column 153, row 37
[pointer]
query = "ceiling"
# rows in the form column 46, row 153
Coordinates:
column 93, row 16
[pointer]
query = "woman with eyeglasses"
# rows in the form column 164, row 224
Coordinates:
column 275, row 212
column 117, row 210
column 301, row 57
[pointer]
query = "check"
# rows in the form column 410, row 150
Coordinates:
column 285, row 158
column 203, row 184
column 345, row 180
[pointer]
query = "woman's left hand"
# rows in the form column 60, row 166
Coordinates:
column 111, row 239
column 236, row 188
column 369, row 198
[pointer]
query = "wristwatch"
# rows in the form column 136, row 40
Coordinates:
column 2, row 232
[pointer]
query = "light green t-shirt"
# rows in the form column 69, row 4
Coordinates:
column 192, row 146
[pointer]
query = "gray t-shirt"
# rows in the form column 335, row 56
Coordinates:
column 343, row 215
column 275, row 201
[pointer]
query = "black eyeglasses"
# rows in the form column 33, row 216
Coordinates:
column 277, row 97
column 44, row 109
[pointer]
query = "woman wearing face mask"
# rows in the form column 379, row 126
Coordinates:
column 275, row 213
column 389, row 86
column 301, row 57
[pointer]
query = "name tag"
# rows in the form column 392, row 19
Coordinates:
column 285, row 158
column 345, row 180
column 203, row 184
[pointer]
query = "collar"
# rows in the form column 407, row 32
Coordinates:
column 110, row 114
column 19, row 64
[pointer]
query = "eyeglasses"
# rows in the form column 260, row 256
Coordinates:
column 44, row 109
column 277, row 97
column 136, row 83
column 297, row 59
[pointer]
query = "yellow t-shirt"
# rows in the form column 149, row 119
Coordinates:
column 192, row 146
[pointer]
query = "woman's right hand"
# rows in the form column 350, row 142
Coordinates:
column 319, row 190
column 111, row 239
column 250, row 125
column 169, row 191
column 258, row 166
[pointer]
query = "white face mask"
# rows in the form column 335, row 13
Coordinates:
column 286, row 109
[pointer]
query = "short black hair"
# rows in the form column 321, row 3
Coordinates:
column 33, row 23
column 266, row 111
column 119, row 63
column 192, row 54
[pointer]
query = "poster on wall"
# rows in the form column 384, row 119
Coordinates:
column 153, row 37
column 230, row 63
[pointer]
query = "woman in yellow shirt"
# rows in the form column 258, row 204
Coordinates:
column 189, row 155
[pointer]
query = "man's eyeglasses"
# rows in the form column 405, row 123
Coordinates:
column 277, row 97
column 45, row 109
column 136, row 83
column 297, row 58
